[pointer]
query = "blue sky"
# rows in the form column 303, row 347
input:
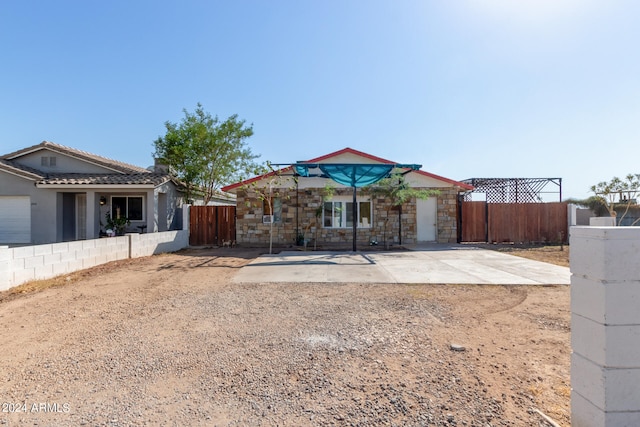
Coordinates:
column 493, row 88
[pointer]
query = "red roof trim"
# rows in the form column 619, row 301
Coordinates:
column 351, row 151
column 337, row 153
column 254, row 179
column 442, row 178
column 314, row 160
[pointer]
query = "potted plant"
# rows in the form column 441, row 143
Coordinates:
column 117, row 224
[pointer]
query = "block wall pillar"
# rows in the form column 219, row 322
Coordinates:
column 5, row 269
column 605, row 326
column 186, row 212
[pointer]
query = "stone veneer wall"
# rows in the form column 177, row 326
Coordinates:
column 251, row 231
column 447, row 215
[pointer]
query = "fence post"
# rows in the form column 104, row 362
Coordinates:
column 185, row 216
column 605, row 326
column 572, row 214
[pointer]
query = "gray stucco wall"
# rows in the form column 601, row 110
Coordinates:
column 47, row 207
column 170, row 205
column 43, row 206
column 64, row 164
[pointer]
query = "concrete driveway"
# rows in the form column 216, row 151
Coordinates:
column 428, row 264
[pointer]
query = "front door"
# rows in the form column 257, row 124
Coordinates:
column 426, row 217
column 68, row 217
column 81, row 216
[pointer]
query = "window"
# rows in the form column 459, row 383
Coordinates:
column 274, row 208
column 131, row 207
column 48, row 161
column 339, row 214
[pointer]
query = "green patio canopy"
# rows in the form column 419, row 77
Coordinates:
column 352, row 175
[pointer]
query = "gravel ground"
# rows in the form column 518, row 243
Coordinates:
column 169, row 340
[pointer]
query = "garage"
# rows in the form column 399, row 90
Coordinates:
column 15, row 219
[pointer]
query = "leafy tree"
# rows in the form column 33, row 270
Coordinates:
column 597, row 204
column 206, row 153
column 619, row 194
column 398, row 190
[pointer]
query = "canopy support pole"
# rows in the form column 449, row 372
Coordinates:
column 354, row 174
column 354, row 210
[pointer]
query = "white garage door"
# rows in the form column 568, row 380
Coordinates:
column 15, row 219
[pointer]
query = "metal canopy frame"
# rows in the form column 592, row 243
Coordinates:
column 514, row 190
column 302, row 170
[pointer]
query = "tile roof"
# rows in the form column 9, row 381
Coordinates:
column 105, row 179
column 93, row 158
column 123, row 173
column 19, row 169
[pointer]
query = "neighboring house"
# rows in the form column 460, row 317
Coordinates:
column 299, row 207
column 51, row 193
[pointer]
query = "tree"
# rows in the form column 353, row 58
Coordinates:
column 327, row 194
column 398, row 190
column 206, row 153
column 619, row 194
column 272, row 186
column 597, row 204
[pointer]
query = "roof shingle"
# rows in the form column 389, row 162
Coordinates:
column 93, row 158
column 123, row 173
column 105, row 179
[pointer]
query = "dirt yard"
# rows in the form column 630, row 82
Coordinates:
column 553, row 254
column 170, row 340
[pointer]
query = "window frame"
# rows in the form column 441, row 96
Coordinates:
column 48, row 161
column 126, row 215
column 275, row 209
column 344, row 211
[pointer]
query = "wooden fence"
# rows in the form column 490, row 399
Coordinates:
column 212, row 225
column 514, row 222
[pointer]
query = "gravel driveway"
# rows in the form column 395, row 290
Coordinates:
column 171, row 340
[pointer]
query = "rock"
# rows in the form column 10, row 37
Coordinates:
column 457, row 347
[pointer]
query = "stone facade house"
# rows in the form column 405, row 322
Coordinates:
column 304, row 209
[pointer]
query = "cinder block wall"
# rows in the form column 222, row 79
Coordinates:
column 27, row 263
column 22, row 264
column 156, row 243
column 605, row 326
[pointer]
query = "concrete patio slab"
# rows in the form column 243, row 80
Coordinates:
column 461, row 264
